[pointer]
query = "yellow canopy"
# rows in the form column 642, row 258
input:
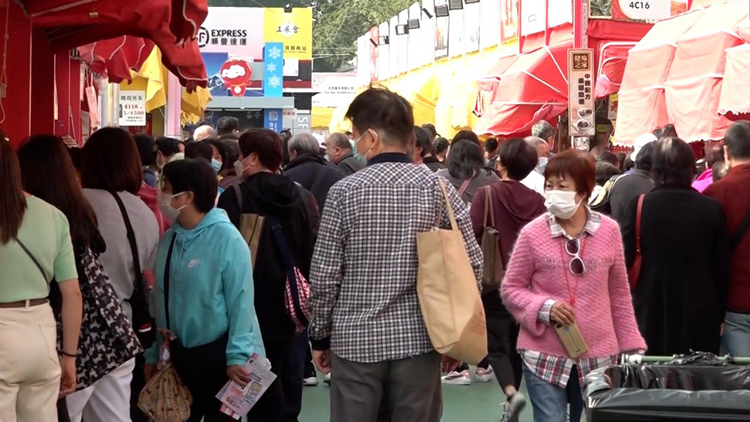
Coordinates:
column 152, row 78
column 321, row 117
column 194, row 105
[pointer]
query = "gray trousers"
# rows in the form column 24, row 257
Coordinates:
column 412, row 385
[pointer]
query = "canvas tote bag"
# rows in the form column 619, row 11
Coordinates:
column 448, row 295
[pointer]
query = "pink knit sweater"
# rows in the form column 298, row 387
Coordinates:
column 603, row 307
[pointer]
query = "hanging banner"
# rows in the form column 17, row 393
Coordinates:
column 234, row 31
column 273, row 77
column 427, row 36
column 580, row 92
column 293, row 29
column 374, row 36
column 272, row 119
column 532, row 16
column 393, row 47
column 489, row 30
column 472, row 21
column 456, row 33
column 509, row 20
column 132, row 108
column 441, row 33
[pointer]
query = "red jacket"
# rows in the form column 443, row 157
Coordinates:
column 732, row 193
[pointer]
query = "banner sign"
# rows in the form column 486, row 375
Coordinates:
column 132, row 108
column 533, row 18
column 235, row 31
column 441, row 33
column 581, row 92
column 293, row 29
column 642, row 9
column 273, row 77
column 272, row 119
column 508, row 20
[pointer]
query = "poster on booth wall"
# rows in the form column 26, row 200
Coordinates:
column 581, row 92
column 293, row 29
column 533, row 19
column 441, row 32
column 132, row 108
column 472, row 22
column 508, row 20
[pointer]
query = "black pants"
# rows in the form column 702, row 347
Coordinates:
column 203, row 369
column 292, row 376
column 502, row 336
column 136, row 385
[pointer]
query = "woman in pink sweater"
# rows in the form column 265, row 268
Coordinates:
column 568, row 267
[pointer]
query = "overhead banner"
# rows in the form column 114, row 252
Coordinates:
column 580, row 92
column 509, row 20
column 234, row 31
column 489, row 30
column 293, row 29
column 132, row 108
column 559, row 13
column 532, row 16
column 471, row 27
column 403, row 43
column 414, row 37
column 393, row 47
column 456, row 33
column 384, row 58
column 427, row 37
column 374, row 52
column 441, row 33
column 273, row 78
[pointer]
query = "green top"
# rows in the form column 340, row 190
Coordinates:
column 46, row 234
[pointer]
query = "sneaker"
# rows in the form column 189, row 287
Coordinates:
column 327, row 378
column 513, row 407
column 310, row 382
column 457, row 378
column 484, row 375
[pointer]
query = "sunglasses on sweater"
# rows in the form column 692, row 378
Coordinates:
column 573, row 248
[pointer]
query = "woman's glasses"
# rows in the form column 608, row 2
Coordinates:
column 576, row 265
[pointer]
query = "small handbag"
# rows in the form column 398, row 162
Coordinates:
column 634, row 274
column 494, row 271
column 297, row 289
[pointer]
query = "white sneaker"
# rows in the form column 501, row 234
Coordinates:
column 457, row 378
column 327, row 378
column 310, row 382
column 484, row 375
column 513, row 407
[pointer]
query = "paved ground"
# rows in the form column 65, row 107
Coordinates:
column 479, row 402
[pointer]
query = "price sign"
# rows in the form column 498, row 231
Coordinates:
column 132, row 108
column 645, row 9
column 581, row 92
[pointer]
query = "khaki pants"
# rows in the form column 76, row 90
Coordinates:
column 29, row 367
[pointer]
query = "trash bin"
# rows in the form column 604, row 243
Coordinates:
column 697, row 387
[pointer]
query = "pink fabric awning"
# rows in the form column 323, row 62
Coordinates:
column 613, row 56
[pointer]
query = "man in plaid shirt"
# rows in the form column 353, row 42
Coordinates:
column 366, row 320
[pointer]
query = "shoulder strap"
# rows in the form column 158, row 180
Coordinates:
column 464, row 186
column 489, row 212
column 167, row 272
column 278, row 233
column 238, row 192
column 131, row 239
column 741, row 231
column 28, row 252
column 638, row 219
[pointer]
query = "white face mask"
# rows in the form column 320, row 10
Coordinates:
column 239, row 168
column 165, row 205
column 562, row 203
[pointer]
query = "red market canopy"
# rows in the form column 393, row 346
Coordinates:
column 116, row 57
column 613, row 56
column 187, row 17
column 70, row 24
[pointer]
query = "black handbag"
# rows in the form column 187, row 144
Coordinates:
column 143, row 323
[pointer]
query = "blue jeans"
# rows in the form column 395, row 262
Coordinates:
column 550, row 402
column 736, row 338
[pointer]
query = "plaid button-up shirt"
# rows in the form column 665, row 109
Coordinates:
column 556, row 369
column 363, row 279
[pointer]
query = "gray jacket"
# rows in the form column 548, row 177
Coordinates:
column 482, row 178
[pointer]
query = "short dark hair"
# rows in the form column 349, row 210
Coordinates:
column 227, row 124
column 266, row 144
column 645, row 159
column 608, row 157
column 666, row 131
column 466, row 135
column 674, row 163
column 576, row 164
column 383, row 111
column 110, row 161
column 464, row 159
column 431, row 131
column 622, row 157
column 195, row 176
column 737, row 140
column 542, row 129
column 719, row 171
column 146, row 148
column 490, row 145
column 422, row 140
column 202, row 149
column 604, row 172
column 286, row 136
column 167, row 146
column 628, row 164
column 518, row 158
column 440, row 144
column 340, row 140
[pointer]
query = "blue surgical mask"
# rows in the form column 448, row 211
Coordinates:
column 216, row 164
column 542, row 165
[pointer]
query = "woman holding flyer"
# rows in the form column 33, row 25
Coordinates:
column 204, row 290
column 567, row 287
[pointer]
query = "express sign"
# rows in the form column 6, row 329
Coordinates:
column 644, row 9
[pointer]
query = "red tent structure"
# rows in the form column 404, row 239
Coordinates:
column 116, row 57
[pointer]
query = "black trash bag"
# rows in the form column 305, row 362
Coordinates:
column 696, row 387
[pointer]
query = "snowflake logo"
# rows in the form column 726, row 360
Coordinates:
column 274, row 81
column 271, row 67
column 274, row 53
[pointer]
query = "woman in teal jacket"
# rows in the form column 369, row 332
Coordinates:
column 204, row 289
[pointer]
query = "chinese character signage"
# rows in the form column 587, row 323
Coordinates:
column 293, row 29
column 236, row 31
column 581, row 92
column 508, row 20
column 132, row 108
column 272, row 119
column 273, row 77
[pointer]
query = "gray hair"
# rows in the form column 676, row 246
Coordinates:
column 304, row 143
column 340, row 140
column 535, row 140
column 542, row 129
column 204, row 132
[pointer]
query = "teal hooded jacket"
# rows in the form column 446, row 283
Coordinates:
column 210, row 289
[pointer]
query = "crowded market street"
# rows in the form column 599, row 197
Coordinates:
column 374, row 210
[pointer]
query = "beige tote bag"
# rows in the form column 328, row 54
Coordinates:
column 448, row 294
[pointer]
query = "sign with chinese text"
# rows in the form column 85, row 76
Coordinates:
column 272, row 119
column 132, row 108
column 581, row 92
column 441, row 32
column 273, row 75
column 508, row 20
column 642, row 9
column 293, row 29
column 235, row 31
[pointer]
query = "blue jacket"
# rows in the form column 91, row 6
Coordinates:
column 210, row 289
